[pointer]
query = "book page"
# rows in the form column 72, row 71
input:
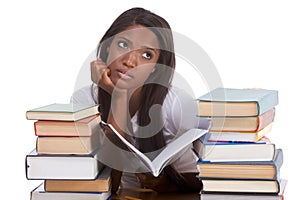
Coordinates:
column 174, row 148
column 144, row 158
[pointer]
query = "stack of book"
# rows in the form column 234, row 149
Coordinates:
column 237, row 160
column 66, row 153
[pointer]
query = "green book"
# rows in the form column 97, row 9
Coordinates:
column 230, row 102
column 62, row 112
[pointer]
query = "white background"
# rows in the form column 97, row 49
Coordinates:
column 43, row 45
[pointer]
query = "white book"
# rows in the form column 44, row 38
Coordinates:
column 46, row 166
column 40, row 194
column 246, row 196
column 218, row 196
column 210, row 151
column 170, row 152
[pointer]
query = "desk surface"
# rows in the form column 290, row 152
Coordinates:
column 146, row 194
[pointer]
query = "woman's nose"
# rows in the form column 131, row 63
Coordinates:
column 130, row 59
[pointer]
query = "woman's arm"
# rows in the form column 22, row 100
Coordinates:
column 118, row 112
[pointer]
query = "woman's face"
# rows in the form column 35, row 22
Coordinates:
column 132, row 56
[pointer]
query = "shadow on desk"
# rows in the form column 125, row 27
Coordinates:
column 147, row 194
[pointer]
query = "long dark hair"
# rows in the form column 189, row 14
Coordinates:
column 152, row 93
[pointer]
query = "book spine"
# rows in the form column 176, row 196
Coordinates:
column 278, row 161
column 34, row 127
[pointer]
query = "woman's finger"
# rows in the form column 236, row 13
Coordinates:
column 97, row 69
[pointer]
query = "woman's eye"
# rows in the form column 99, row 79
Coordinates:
column 123, row 44
column 147, row 55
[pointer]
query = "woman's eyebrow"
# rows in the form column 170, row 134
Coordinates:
column 124, row 38
column 149, row 47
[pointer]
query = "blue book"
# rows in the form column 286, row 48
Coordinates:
column 224, row 102
column 62, row 112
column 265, row 170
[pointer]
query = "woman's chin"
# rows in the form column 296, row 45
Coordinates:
column 128, row 84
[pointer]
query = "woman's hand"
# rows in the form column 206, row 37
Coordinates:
column 158, row 184
column 100, row 75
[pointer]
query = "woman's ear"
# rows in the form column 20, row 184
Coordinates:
column 107, row 49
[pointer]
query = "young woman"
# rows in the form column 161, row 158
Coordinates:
column 132, row 82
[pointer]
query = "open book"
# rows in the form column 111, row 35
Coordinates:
column 169, row 152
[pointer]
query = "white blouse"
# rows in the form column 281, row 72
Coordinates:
column 179, row 115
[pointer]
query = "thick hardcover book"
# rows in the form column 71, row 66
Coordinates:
column 67, row 145
column 72, row 167
column 40, row 194
column 246, row 196
column 244, row 169
column 100, row 184
column 225, row 102
column 242, row 124
column 62, row 112
column 83, row 127
column 241, row 186
column 262, row 150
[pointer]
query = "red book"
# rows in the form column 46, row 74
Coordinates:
column 83, row 127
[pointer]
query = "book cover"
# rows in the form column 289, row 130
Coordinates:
column 40, row 194
column 244, row 169
column 237, row 102
column 83, row 127
column 100, row 184
column 262, row 150
column 72, row 167
column 62, row 112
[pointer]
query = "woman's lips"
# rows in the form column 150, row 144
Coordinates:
column 124, row 75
